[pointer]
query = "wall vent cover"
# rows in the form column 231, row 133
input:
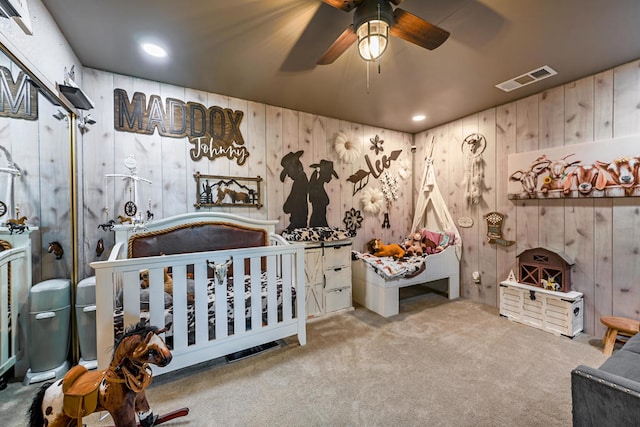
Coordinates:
column 527, row 78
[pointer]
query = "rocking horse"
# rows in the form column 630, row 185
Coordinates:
column 119, row 389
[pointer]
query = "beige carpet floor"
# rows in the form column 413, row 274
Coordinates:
column 437, row 363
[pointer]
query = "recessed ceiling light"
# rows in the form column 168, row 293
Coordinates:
column 154, row 50
column 418, row 117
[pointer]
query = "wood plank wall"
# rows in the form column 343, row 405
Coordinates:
column 269, row 133
column 601, row 235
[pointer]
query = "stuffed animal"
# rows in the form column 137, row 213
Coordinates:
column 380, row 249
column 414, row 245
column 168, row 280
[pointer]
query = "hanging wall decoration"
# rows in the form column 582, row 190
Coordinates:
column 361, row 178
column 216, row 190
column 472, row 148
column 372, row 200
column 607, row 168
column 214, row 131
column 404, row 169
column 352, row 221
column 296, row 205
column 347, row 147
column 494, row 229
column 376, row 144
column 19, row 97
column 323, row 171
column 390, row 189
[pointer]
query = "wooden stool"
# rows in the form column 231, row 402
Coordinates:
column 617, row 326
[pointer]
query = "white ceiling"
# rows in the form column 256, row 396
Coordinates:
column 265, row 51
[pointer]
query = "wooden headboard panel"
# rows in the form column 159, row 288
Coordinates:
column 195, row 237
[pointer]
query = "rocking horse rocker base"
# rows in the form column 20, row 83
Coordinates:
column 182, row 412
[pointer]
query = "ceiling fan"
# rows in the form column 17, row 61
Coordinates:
column 373, row 21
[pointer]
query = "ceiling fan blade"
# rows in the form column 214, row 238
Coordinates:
column 345, row 5
column 416, row 30
column 346, row 39
column 396, row 2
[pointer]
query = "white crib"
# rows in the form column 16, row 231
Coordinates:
column 265, row 303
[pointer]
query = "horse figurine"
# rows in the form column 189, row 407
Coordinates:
column 119, row 389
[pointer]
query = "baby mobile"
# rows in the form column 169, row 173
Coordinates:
column 472, row 147
column 131, row 206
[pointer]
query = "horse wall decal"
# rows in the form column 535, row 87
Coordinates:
column 119, row 389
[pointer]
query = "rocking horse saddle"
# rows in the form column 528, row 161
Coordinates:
column 81, row 389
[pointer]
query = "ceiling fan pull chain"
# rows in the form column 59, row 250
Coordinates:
column 367, row 76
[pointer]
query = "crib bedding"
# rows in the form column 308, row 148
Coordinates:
column 211, row 299
column 392, row 268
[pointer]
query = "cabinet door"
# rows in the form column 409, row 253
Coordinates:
column 314, row 299
column 313, row 266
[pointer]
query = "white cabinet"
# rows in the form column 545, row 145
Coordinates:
column 561, row 313
column 327, row 277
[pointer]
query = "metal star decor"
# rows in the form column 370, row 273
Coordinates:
column 376, row 144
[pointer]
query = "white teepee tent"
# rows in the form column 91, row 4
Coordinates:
column 431, row 210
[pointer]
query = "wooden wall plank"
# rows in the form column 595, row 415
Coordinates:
column 603, row 208
column 273, row 156
column 603, row 105
column 256, row 143
column 551, row 131
column 527, row 140
column 488, row 259
column 626, row 119
column 470, row 236
column 169, row 180
column 204, row 166
column 506, row 145
column 579, row 214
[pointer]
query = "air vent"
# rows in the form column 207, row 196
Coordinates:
column 527, row 78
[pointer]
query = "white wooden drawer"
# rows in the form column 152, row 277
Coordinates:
column 338, row 277
column 337, row 299
column 337, row 256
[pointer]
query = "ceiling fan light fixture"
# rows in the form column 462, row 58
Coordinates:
column 371, row 21
column 373, row 37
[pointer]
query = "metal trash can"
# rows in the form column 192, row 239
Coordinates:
column 86, row 321
column 49, row 330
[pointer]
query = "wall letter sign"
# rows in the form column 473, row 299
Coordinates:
column 214, row 131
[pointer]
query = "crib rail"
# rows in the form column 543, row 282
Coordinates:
column 13, row 294
column 284, row 263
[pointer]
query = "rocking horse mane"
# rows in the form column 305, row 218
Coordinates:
column 34, row 413
column 140, row 329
